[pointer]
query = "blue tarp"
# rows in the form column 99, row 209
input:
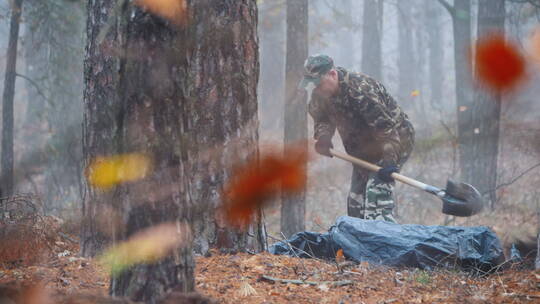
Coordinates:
column 385, row 243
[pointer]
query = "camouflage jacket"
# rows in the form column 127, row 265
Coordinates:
column 368, row 119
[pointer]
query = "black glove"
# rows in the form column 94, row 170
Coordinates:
column 384, row 173
column 323, row 145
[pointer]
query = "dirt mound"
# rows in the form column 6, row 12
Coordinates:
column 27, row 236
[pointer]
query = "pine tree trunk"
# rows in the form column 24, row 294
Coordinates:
column 6, row 188
column 371, row 39
column 293, row 208
column 487, row 110
column 186, row 96
column 461, row 21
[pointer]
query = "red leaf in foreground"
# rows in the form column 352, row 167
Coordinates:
column 498, row 63
column 257, row 182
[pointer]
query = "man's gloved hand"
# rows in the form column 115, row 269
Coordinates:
column 384, row 174
column 323, row 145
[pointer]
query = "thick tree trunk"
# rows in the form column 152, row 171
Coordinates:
column 371, row 38
column 293, row 207
column 186, row 97
column 101, row 127
column 487, row 110
column 7, row 101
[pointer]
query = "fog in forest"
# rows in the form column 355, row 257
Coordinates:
column 407, row 45
column 159, row 151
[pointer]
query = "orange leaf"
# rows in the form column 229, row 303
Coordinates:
column 499, row 64
column 173, row 10
column 255, row 183
column 339, row 256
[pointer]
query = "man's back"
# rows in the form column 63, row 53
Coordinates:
column 364, row 113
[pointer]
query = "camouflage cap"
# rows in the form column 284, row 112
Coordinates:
column 314, row 68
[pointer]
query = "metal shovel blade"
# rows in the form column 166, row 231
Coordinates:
column 461, row 199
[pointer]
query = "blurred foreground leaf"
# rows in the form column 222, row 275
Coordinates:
column 255, row 183
column 173, row 10
column 147, row 246
column 105, row 172
column 498, row 63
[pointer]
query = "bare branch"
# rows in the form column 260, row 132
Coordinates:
column 448, row 7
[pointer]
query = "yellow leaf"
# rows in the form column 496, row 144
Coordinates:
column 105, row 172
column 147, row 246
column 415, row 93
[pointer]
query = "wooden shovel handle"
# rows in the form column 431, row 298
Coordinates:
column 374, row 168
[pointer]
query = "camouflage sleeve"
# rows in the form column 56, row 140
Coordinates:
column 381, row 122
column 322, row 125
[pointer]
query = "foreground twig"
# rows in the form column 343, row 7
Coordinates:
column 301, row 282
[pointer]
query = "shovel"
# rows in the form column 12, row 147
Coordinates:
column 459, row 199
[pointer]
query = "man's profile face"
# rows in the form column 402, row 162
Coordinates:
column 328, row 86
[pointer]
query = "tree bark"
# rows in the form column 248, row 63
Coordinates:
column 487, row 110
column 293, row 207
column 7, row 101
column 186, row 96
column 371, row 39
column 461, row 22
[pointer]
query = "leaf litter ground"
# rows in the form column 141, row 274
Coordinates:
column 247, row 278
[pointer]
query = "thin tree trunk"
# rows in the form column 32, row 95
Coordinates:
column 436, row 53
column 7, row 103
column 371, row 39
column 272, row 52
column 406, row 67
column 293, row 207
column 487, row 110
column 346, row 36
column 461, row 22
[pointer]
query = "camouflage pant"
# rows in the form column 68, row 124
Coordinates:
column 378, row 203
column 369, row 197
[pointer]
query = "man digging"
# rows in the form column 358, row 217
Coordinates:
column 372, row 126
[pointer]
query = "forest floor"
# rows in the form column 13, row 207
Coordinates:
column 261, row 278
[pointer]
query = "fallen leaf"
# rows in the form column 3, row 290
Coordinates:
column 498, row 63
column 340, row 258
column 415, row 93
column 323, row 287
column 246, row 290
